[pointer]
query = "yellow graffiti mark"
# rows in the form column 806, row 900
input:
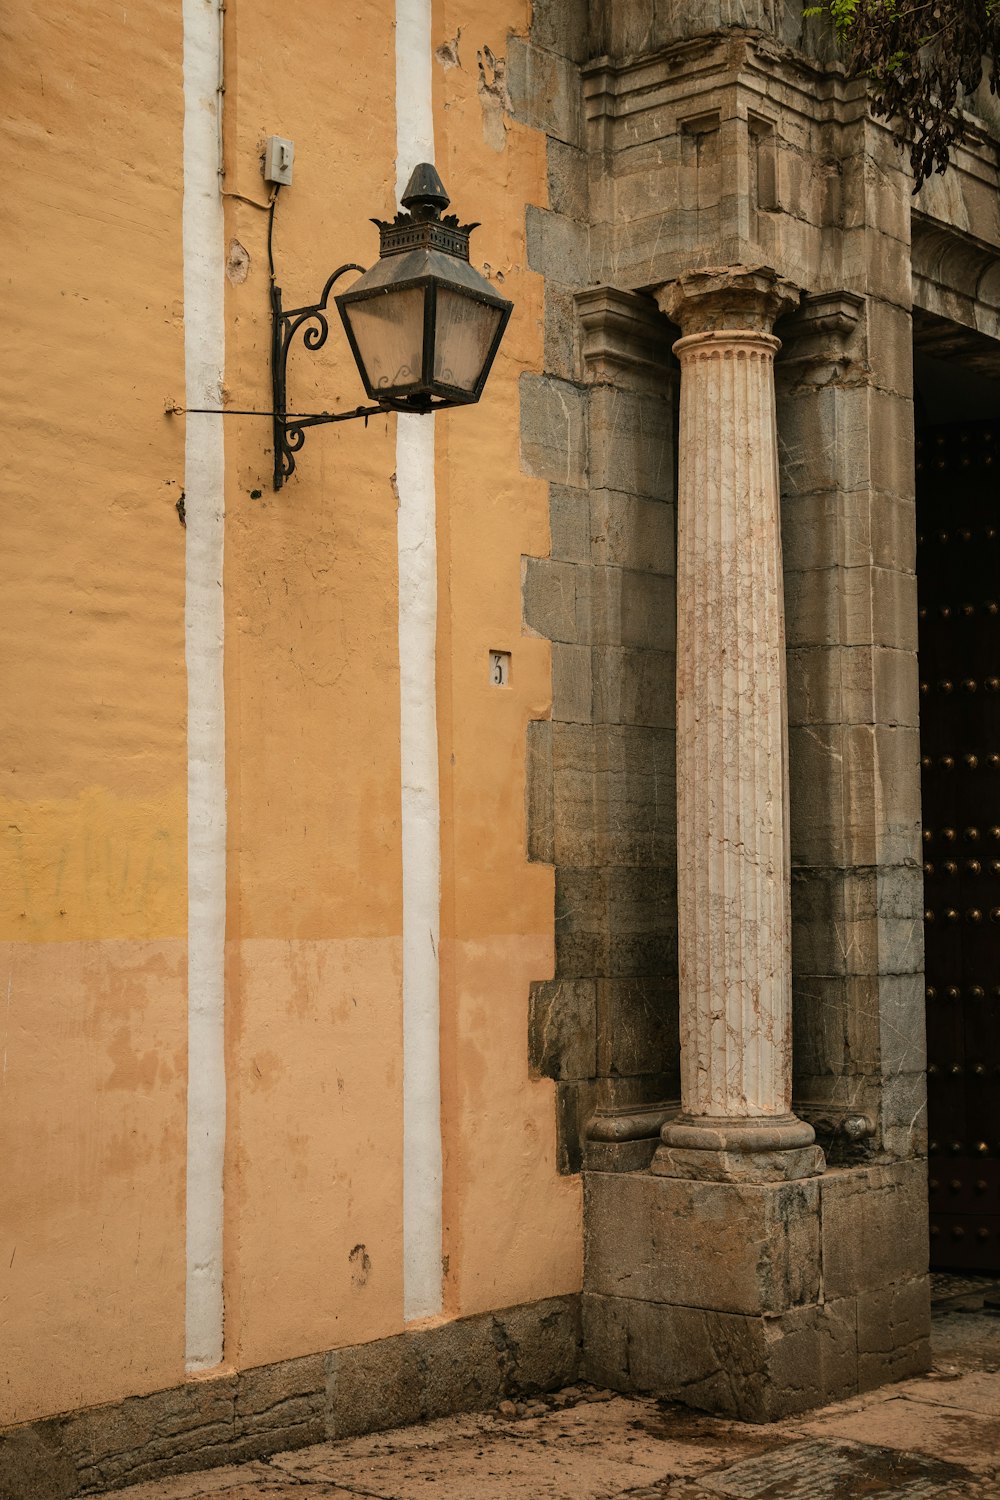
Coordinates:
column 97, row 866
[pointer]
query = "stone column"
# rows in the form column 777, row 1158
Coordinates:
column 734, row 940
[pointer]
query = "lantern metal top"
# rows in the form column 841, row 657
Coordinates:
column 423, row 227
column 425, row 191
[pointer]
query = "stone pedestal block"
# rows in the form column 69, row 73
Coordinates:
column 757, row 1300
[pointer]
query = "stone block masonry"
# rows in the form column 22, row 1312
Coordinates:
column 756, row 1301
column 724, row 173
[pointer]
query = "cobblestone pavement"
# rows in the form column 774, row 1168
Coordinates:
column 937, row 1436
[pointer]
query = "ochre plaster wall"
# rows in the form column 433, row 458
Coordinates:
column 92, row 769
column 314, row 983
column 92, row 988
column 312, row 706
column 512, row 1225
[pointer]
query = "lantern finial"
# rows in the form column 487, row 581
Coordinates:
column 425, row 191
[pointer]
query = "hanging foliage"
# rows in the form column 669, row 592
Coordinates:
column 919, row 56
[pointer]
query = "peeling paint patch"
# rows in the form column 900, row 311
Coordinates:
column 361, row 1264
column 447, row 53
column 494, row 97
column 237, row 263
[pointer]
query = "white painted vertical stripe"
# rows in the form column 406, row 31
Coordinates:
column 204, row 354
column 421, row 811
column 414, row 96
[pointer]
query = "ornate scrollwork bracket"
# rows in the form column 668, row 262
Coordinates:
column 313, row 321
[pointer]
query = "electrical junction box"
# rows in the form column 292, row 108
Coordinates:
column 279, row 155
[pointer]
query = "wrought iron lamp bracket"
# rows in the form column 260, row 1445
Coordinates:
column 425, row 389
column 313, row 322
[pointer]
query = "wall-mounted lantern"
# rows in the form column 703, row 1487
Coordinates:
column 423, row 325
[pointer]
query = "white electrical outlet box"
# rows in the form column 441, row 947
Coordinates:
column 500, row 668
column 279, row 156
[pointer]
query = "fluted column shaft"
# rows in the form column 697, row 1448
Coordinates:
column 731, row 843
column 732, row 787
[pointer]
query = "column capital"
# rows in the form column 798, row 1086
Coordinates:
column 722, row 299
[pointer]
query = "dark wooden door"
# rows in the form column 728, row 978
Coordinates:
column 958, row 566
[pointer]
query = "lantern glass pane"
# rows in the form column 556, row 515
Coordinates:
column 389, row 332
column 463, row 339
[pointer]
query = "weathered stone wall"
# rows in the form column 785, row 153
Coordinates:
column 724, row 134
column 846, row 433
column 729, row 147
column 601, row 793
column 629, row 28
column 464, row 1365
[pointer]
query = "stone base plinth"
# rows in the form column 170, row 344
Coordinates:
column 739, row 1166
column 468, row 1364
column 757, row 1300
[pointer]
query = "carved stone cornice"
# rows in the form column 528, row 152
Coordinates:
column 944, row 255
column 623, row 339
column 955, row 274
column 824, row 339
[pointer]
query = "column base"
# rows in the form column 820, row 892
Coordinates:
column 719, row 1149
